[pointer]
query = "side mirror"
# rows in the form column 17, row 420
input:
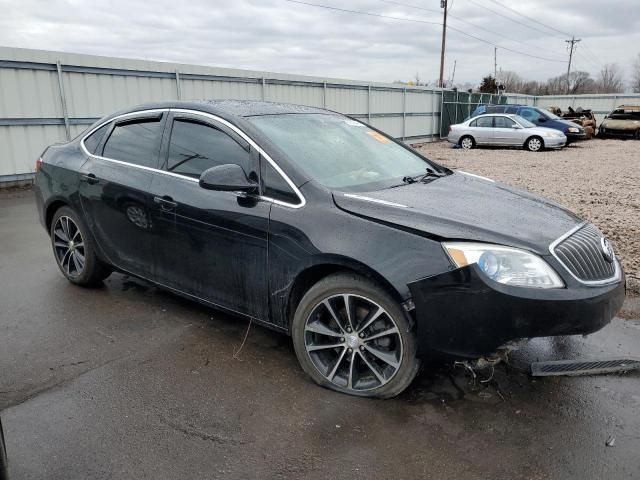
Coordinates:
column 516, row 126
column 227, row 178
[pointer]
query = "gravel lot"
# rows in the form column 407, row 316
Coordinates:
column 597, row 179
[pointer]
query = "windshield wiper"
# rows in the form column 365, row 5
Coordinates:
column 423, row 176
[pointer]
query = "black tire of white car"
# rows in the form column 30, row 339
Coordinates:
column 534, row 144
column 350, row 284
column 467, row 142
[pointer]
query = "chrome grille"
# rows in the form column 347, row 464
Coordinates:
column 582, row 254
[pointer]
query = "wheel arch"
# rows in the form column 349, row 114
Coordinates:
column 50, row 210
column 325, row 266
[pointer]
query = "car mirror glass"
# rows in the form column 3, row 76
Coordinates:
column 228, row 177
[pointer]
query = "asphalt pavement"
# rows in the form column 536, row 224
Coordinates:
column 126, row 381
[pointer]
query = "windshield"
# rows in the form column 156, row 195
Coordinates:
column 523, row 121
column 621, row 114
column 550, row 115
column 339, row 152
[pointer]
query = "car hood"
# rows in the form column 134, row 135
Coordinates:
column 544, row 130
column 565, row 123
column 621, row 124
column 462, row 206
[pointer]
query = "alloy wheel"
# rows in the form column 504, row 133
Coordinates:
column 68, row 245
column 353, row 342
column 535, row 144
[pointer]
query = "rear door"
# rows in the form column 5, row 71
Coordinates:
column 481, row 129
column 210, row 244
column 114, row 191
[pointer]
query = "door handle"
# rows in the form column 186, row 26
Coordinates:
column 166, row 203
column 90, row 178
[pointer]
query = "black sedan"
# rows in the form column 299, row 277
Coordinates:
column 315, row 224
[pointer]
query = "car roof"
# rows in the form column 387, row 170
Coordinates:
column 230, row 108
column 497, row 114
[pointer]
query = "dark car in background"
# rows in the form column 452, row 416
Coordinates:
column 624, row 121
column 537, row 116
column 317, row 225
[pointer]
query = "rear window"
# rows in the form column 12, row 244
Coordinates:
column 136, row 142
column 93, row 140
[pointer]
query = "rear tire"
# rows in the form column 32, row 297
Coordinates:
column 74, row 250
column 467, row 142
column 351, row 336
column 535, row 144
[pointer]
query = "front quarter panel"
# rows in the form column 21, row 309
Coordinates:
column 321, row 233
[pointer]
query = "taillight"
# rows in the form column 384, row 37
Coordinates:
column 38, row 164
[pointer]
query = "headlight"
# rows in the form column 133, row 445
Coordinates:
column 573, row 130
column 507, row 265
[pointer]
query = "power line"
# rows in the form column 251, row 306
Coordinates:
column 508, row 18
column 531, row 19
column 415, row 20
column 475, row 25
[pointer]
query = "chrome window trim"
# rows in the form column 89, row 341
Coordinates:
column 210, row 116
column 592, row 283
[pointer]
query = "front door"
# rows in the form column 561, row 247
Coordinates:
column 210, row 244
column 114, row 192
column 506, row 132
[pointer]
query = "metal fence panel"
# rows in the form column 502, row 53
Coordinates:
column 47, row 97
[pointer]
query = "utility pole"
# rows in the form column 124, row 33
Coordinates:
column 572, row 44
column 453, row 75
column 495, row 66
column 443, row 4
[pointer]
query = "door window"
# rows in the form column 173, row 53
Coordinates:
column 93, row 140
column 136, row 142
column 504, row 122
column 530, row 114
column 195, row 147
column 483, row 122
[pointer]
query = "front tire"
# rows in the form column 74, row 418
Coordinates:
column 74, row 249
column 467, row 142
column 351, row 336
column 535, row 144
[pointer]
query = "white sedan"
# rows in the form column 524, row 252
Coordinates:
column 505, row 130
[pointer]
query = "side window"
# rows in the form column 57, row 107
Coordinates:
column 484, row 122
column 194, row 147
column 136, row 142
column 93, row 140
column 530, row 114
column 511, row 110
column 274, row 186
column 504, row 122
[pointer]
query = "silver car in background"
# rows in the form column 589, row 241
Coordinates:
column 505, row 130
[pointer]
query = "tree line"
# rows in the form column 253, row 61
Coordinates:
column 610, row 79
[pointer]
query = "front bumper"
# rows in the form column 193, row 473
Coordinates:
column 554, row 142
column 464, row 314
column 612, row 132
column 575, row 137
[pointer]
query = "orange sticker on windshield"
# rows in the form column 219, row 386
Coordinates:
column 377, row 136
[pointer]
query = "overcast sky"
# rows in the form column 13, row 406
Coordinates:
column 280, row 36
